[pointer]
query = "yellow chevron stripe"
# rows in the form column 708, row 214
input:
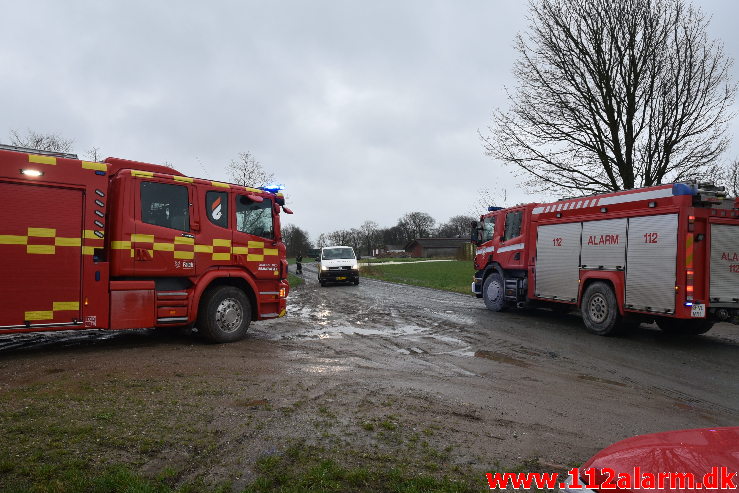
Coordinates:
column 139, row 238
column 66, row 305
column 35, row 158
column 73, row 242
column 13, row 240
column 42, row 232
column 38, row 315
column 41, row 249
column 142, row 174
column 94, row 166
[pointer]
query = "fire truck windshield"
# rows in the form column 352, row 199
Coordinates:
column 488, row 228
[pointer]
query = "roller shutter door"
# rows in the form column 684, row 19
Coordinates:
column 604, row 244
column 558, row 261
column 724, row 263
column 650, row 263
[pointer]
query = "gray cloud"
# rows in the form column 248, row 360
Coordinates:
column 365, row 110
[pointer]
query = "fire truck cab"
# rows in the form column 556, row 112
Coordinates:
column 668, row 253
column 123, row 244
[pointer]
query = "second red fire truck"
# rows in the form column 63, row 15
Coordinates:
column 668, row 254
column 123, row 244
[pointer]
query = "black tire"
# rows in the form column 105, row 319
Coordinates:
column 493, row 291
column 356, row 281
column 599, row 309
column 684, row 326
column 225, row 314
column 322, row 283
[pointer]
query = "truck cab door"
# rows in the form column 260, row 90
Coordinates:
column 511, row 245
column 163, row 243
column 254, row 242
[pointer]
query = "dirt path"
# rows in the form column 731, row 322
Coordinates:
column 386, row 368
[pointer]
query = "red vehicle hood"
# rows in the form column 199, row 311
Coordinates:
column 684, row 451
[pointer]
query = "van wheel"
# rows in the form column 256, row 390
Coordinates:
column 599, row 309
column 492, row 293
column 356, row 281
column 224, row 315
column 684, row 326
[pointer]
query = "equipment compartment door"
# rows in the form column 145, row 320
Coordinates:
column 558, row 261
column 604, row 244
column 724, row 263
column 41, row 260
column 650, row 263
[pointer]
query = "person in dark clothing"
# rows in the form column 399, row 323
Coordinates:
column 299, row 264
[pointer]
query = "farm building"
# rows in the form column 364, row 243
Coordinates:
column 436, row 247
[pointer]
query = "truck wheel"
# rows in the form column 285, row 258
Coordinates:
column 492, row 292
column 356, row 281
column 224, row 315
column 599, row 310
column 684, row 326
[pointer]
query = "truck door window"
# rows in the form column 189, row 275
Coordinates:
column 512, row 225
column 216, row 208
column 488, row 228
column 254, row 218
column 165, row 205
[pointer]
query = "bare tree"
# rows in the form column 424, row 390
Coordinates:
column 614, row 94
column 487, row 197
column 44, row 142
column 456, row 227
column 730, row 178
column 371, row 237
column 416, row 225
column 393, row 235
column 248, row 172
column 339, row 237
column 296, row 240
column 94, row 154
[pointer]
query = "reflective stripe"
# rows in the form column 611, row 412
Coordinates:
column 94, row 166
column 142, row 174
column 35, row 158
column 633, row 197
column 510, row 248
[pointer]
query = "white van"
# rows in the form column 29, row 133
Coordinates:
column 338, row 264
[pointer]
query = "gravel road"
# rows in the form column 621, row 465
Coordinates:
column 493, row 387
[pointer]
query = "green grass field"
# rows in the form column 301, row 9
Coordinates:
column 455, row 275
column 391, row 259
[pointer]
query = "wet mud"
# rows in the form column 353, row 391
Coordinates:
column 497, row 387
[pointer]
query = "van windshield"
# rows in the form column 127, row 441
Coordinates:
column 338, row 253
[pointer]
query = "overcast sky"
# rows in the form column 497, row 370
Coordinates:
column 363, row 109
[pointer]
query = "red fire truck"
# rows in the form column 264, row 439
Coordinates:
column 668, row 253
column 122, row 244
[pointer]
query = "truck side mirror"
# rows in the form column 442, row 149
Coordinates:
column 474, row 233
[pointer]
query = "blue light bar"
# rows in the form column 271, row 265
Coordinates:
column 493, row 208
column 683, row 189
column 271, row 188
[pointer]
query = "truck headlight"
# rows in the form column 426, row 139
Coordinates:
column 323, row 267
